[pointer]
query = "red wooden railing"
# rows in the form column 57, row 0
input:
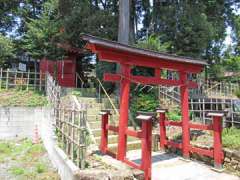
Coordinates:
column 146, row 139
column 215, row 152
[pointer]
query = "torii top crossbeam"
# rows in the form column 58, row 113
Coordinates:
column 128, row 57
column 114, row 52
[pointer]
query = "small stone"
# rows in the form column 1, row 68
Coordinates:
column 227, row 160
column 228, row 153
column 235, row 167
column 236, row 155
column 238, row 167
column 234, row 162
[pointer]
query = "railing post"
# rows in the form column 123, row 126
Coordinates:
column 217, row 143
column 1, row 75
column 146, row 164
column 7, row 79
column 104, row 135
column 162, row 127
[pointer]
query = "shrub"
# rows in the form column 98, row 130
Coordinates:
column 143, row 102
column 231, row 138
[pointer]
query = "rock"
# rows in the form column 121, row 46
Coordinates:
column 238, row 167
column 92, row 175
column 120, row 175
column 234, row 162
column 227, row 160
column 228, row 153
column 139, row 175
column 235, row 167
column 236, row 155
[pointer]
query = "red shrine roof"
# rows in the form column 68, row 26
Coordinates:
column 138, row 51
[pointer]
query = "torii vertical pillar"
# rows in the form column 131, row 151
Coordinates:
column 185, row 115
column 124, row 104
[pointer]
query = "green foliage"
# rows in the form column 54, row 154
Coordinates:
column 237, row 93
column 153, row 43
column 17, row 171
column 85, row 17
column 231, row 138
column 13, row 97
column 40, row 168
column 19, row 155
column 143, row 102
column 174, row 115
column 43, row 33
column 6, row 49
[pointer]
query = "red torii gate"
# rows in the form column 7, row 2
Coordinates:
column 128, row 57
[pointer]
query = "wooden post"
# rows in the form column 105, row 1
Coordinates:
column 217, row 144
column 62, row 127
column 162, row 126
column 1, row 78
column 104, row 134
column 15, row 79
column 185, row 115
column 28, row 79
column 146, row 164
column 124, row 105
column 35, row 73
column 40, row 80
column 72, row 134
column 7, row 78
column 22, row 81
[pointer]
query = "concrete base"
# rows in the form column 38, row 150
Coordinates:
column 169, row 167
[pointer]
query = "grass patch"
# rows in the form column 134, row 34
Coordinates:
column 26, row 160
column 40, row 168
column 15, row 97
column 231, row 138
column 17, row 171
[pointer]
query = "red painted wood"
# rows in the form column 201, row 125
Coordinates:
column 146, row 164
column 66, row 70
column 137, row 134
column 163, row 134
column 104, row 134
column 110, row 55
column 174, row 144
column 201, row 126
column 112, row 154
column 185, row 116
column 112, row 128
column 124, row 105
column 201, row 151
column 173, row 123
column 217, row 128
column 147, row 80
column 157, row 73
column 132, row 164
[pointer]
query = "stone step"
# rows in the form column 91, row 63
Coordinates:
column 97, row 117
column 95, row 124
column 93, row 118
column 97, row 132
column 113, row 139
column 133, row 145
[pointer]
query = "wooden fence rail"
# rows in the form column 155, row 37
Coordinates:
column 72, row 134
column 22, row 80
column 70, row 124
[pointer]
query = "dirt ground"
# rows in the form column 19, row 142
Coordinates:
column 22, row 160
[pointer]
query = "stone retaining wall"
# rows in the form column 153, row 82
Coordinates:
column 19, row 122
column 232, row 159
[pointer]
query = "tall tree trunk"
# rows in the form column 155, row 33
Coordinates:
column 124, row 22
